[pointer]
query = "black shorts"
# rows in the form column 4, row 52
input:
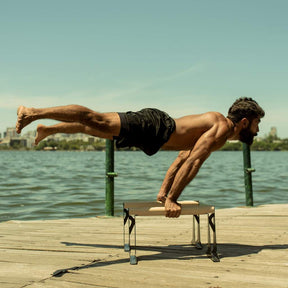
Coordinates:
column 148, row 129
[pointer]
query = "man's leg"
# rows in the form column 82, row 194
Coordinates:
column 106, row 124
column 67, row 128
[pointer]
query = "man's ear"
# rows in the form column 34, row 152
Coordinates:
column 244, row 123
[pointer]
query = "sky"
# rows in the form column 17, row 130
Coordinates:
column 181, row 56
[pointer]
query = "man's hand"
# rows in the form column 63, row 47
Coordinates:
column 161, row 197
column 172, row 208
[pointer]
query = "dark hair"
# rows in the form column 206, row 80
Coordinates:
column 245, row 107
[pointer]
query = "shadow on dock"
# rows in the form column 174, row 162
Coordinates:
column 178, row 252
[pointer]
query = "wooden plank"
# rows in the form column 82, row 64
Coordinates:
column 158, row 208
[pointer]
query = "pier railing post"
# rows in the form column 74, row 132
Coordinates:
column 110, row 174
column 248, row 174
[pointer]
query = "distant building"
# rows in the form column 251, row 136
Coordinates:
column 273, row 132
column 30, row 134
column 11, row 133
column 5, row 142
column 18, row 142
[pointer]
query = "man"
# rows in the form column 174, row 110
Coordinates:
column 196, row 136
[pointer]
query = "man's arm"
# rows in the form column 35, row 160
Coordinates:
column 185, row 175
column 170, row 175
column 189, row 169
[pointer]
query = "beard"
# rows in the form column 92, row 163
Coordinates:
column 247, row 136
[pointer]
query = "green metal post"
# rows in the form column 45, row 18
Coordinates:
column 248, row 174
column 110, row 174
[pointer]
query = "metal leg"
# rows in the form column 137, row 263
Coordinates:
column 211, row 223
column 126, row 218
column 196, row 243
column 193, row 231
column 131, row 224
column 133, row 258
column 209, row 240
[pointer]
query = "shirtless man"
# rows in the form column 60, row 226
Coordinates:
column 196, row 136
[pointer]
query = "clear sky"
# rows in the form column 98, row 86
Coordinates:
column 181, row 56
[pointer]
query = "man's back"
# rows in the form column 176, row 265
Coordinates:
column 190, row 128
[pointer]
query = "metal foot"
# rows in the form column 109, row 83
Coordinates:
column 215, row 257
column 133, row 260
column 198, row 245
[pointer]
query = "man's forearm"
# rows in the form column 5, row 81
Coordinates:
column 172, row 171
column 183, row 177
column 168, row 181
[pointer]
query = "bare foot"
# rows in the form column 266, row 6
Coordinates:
column 24, row 118
column 41, row 133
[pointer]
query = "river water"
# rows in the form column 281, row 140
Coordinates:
column 53, row 185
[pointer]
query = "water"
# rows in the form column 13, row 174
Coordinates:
column 54, row 185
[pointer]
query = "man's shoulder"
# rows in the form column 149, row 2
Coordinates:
column 219, row 130
column 218, row 123
column 215, row 117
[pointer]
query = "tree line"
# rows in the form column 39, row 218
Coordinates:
column 269, row 143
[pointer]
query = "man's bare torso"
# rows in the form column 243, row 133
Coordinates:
column 190, row 128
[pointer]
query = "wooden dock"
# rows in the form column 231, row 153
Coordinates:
column 252, row 244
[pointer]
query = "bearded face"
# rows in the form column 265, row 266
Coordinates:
column 246, row 135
